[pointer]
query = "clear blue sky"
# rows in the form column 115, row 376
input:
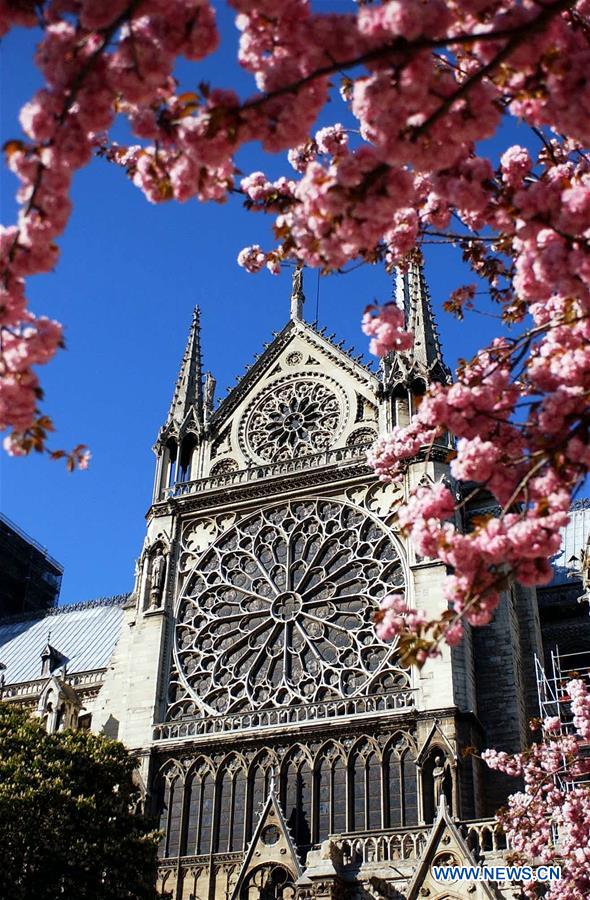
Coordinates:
column 125, row 286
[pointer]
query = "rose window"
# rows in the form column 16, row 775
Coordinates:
column 294, row 418
column 279, row 610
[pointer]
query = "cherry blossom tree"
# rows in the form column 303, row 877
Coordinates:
column 427, row 83
column 548, row 822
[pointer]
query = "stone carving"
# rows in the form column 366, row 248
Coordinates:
column 438, row 778
column 279, row 610
column 157, row 578
column 209, row 397
column 361, row 436
column 294, row 417
column 223, row 467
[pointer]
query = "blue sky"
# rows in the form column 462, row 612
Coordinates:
column 128, row 278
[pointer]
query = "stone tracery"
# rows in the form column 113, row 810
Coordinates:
column 294, row 417
column 279, row 610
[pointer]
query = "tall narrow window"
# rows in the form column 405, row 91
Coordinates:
column 231, row 810
column 238, row 811
column 185, row 459
column 296, row 795
column 394, row 790
column 410, row 782
column 373, row 775
column 258, row 792
column 338, row 796
column 223, row 811
column 197, row 816
column 330, row 796
column 170, row 817
column 206, row 821
column 171, row 452
column 164, row 798
column 366, row 792
column 358, row 794
column 323, row 791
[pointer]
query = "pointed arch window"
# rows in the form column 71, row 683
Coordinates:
column 296, row 799
column 366, row 790
column 171, row 795
column 170, row 463
column 231, row 806
column 185, row 458
column 258, row 789
column 392, row 779
column 199, row 802
column 410, row 787
column 330, row 796
column 401, row 784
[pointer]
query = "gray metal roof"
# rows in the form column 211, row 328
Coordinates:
column 85, row 633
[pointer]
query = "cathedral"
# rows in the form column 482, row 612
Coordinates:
column 285, row 752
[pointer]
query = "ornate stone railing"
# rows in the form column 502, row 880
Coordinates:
column 387, row 846
column 398, row 844
column 272, row 470
column 202, row 861
column 395, row 701
column 78, row 680
column 484, row 836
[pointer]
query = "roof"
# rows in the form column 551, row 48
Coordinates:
column 85, row 633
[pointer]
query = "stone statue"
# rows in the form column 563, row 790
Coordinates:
column 209, row 391
column 297, row 296
column 158, row 576
column 438, row 777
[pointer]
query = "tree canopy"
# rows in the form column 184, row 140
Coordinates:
column 67, row 816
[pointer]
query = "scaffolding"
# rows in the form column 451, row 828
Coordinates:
column 552, row 693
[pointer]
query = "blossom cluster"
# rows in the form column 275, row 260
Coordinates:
column 549, row 820
column 425, row 80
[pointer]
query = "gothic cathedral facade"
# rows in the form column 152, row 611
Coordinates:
column 284, row 749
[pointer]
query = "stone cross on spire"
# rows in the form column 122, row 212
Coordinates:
column 188, row 391
column 297, row 295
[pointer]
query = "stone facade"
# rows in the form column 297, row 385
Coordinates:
column 284, row 749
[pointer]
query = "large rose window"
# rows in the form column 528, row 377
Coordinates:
column 279, row 610
column 294, row 417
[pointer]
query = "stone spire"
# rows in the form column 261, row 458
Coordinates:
column 189, row 384
column 425, row 360
column 297, row 295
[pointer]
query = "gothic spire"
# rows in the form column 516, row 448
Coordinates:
column 297, row 295
column 189, row 384
column 425, row 359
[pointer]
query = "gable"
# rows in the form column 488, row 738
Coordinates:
column 303, row 396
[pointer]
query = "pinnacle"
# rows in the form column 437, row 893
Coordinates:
column 188, row 391
column 425, row 359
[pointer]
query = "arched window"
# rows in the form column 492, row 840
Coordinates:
column 231, row 805
column 185, row 460
column 393, row 806
column 206, row 824
column 330, row 796
column 199, row 804
column 258, row 788
column 366, row 791
column 410, row 788
column 296, row 799
column 171, row 793
column 170, row 462
column 401, row 785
